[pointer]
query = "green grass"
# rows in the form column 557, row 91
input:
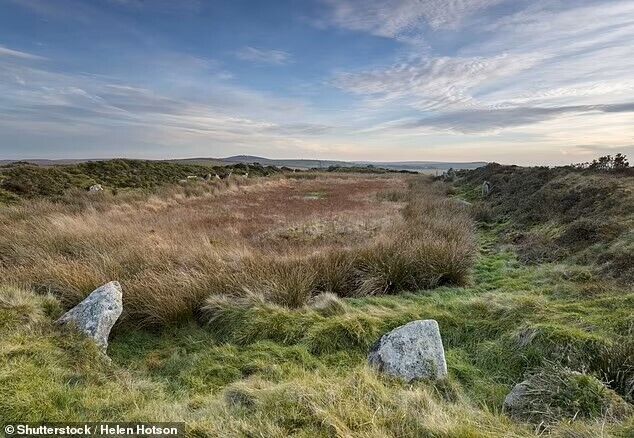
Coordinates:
column 257, row 368
column 246, row 366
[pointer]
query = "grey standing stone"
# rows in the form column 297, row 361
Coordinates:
column 97, row 313
column 412, row 351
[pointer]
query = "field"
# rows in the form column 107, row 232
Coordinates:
column 250, row 304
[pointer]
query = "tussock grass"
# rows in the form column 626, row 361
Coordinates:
column 431, row 245
column 282, row 372
column 553, row 393
column 171, row 252
column 279, row 346
column 172, row 249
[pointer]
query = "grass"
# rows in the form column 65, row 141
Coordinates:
column 561, row 213
column 171, row 252
column 286, row 356
column 554, row 393
column 265, row 369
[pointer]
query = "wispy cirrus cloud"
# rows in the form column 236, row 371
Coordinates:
column 503, row 78
column 263, row 56
column 5, row 51
column 401, row 19
column 38, row 102
column 433, row 83
column 525, row 68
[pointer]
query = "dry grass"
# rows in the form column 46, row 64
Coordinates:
column 285, row 240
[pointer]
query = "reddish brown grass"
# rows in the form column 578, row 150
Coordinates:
column 172, row 250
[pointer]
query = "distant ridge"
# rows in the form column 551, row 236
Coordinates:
column 417, row 166
column 312, row 163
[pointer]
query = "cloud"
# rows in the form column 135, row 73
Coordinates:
column 49, row 108
column 481, row 121
column 433, row 83
column 5, row 51
column 401, row 19
column 277, row 57
column 531, row 65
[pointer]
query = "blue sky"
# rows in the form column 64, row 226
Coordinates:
column 514, row 81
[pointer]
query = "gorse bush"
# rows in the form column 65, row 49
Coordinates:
column 24, row 180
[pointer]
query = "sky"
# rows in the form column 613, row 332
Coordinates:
column 511, row 81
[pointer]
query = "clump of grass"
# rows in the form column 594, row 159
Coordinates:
column 287, row 282
column 614, row 364
column 336, row 271
column 394, row 195
column 553, row 393
column 358, row 404
column 327, row 304
column 18, row 305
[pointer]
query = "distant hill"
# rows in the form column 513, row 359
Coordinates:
column 42, row 162
column 417, row 166
column 308, row 164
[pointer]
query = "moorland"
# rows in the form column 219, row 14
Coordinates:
column 251, row 300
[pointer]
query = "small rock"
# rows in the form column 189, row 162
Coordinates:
column 514, row 401
column 412, row 351
column 95, row 188
column 97, row 313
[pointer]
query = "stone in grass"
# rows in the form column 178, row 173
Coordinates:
column 413, row 351
column 97, row 313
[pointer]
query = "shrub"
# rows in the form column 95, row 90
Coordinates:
column 29, row 181
column 482, row 212
column 592, row 210
column 583, row 232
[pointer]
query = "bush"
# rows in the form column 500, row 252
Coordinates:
column 482, row 212
column 30, row 181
